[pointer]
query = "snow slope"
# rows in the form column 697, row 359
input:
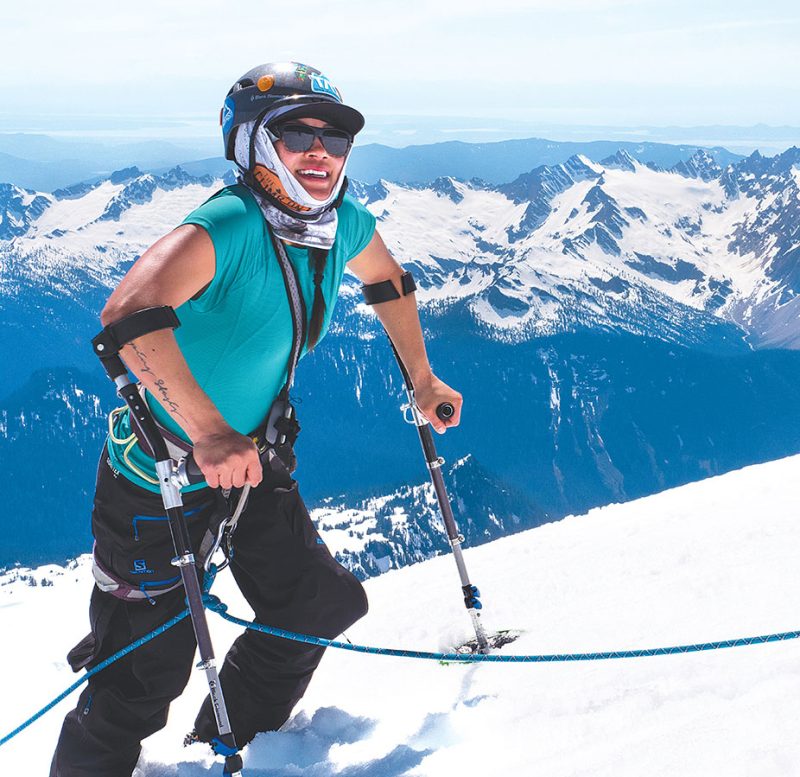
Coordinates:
column 711, row 560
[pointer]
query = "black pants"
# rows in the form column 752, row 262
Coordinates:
column 283, row 569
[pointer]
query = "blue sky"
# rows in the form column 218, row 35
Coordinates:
column 565, row 62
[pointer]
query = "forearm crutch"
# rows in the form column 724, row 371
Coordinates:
column 434, row 463
column 171, row 478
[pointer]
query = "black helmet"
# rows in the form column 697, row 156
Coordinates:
column 282, row 90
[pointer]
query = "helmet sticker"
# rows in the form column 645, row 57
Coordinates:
column 301, row 71
column 320, row 84
column 265, row 83
column 226, row 117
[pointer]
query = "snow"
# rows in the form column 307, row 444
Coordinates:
column 796, row 176
column 711, row 560
column 160, row 215
column 28, row 197
column 139, row 226
column 684, row 220
column 557, row 221
column 73, row 214
column 487, row 213
column 473, row 251
column 592, row 165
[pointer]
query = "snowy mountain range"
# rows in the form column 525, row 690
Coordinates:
column 558, row 249
column 48, row 163
column 616, row 329
column 615, row 245
column 710, row 561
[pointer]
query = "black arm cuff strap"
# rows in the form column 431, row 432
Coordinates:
column 384, row 291
column 142, row 322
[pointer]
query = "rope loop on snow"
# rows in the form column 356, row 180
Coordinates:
column 215, row 604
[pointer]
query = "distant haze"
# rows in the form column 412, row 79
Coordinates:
column 45, row 163
column 398, row 131
column 557, row 62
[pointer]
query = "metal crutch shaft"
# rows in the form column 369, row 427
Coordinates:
column 434, row 463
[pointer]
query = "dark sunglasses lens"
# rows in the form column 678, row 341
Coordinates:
column 336, row 142
column 297, row 139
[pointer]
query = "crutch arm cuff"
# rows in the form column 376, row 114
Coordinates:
column 114, row 336
column 385, row 291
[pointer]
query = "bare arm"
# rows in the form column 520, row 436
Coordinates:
column 401, row 321
column 170, row 272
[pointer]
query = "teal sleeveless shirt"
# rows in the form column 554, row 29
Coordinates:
column 236, row 336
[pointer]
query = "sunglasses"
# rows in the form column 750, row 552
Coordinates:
column 301, row 137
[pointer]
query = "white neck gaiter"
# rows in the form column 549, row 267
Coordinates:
column 315, row 221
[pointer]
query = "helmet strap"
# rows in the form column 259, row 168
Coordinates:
column 339, row 197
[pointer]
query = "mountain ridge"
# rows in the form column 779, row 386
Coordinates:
column 606, row 322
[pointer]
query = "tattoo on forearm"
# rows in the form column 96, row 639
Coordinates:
column 160, row 384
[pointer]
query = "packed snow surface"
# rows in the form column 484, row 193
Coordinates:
column 708, row 561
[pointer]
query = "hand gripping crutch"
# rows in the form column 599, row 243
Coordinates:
column 171, row 478
column 434, row 462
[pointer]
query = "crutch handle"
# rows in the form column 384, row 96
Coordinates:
column 188, row 471
column 445, row 411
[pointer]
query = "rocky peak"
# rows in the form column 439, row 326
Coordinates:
column 578, row 169
column 120, row 176
column 447, row 188
column 177, row 178
column 76, row 191
column 700, row 165
column 367, row 193
column 18, row 208
column 605, row 210
column 139, row 191
column 622, row 160
column 140, row 188
column 540, row 186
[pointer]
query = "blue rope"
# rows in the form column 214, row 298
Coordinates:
column 214, row 604
column 99, row 668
